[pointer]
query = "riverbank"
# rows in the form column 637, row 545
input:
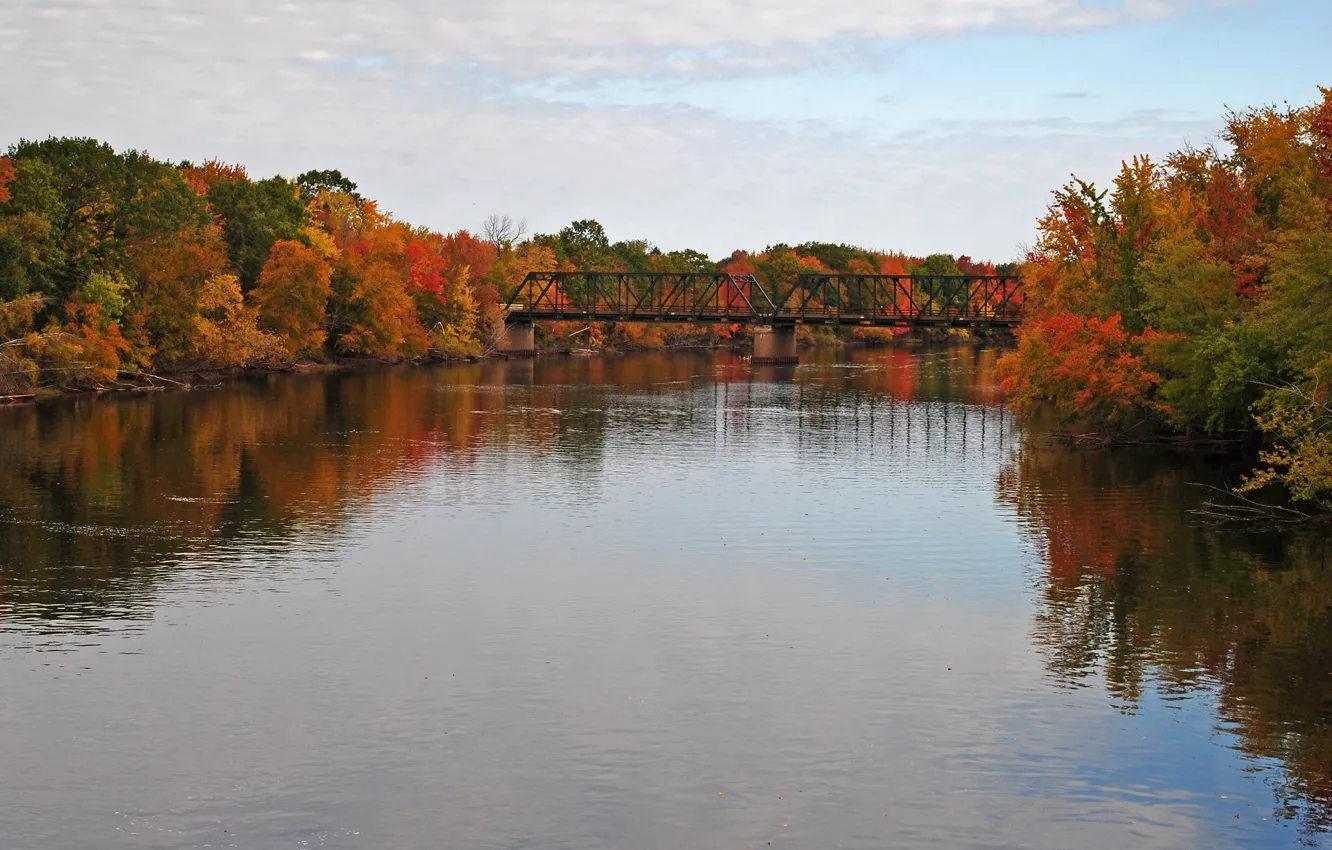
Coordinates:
column 197, row 378
column 207, row 377
column 1193, row 299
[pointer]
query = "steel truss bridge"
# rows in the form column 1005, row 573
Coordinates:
column 873, row 300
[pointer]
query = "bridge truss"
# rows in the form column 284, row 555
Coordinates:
column 830, row 299
column 640, row 297
column 903, row 300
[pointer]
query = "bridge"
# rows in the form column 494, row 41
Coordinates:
column 843, row 300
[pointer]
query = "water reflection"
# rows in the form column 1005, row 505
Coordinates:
column 102, row 500
column 1136, row 592
column 565, row 602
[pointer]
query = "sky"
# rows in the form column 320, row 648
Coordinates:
column 920, row 126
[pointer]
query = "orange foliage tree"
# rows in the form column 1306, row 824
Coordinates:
column 171, row 271
column 380, row 315
column 1089, row 368
column 292, row 295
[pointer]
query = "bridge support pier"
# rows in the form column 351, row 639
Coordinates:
column 518, row 340
column 775, row 344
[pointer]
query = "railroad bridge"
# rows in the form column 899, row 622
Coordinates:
column 845, row 300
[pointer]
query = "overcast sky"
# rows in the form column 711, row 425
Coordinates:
column 916, row 125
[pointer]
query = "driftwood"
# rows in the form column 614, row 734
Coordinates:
column 1231, row 508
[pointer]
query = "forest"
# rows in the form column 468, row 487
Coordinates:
column 116, row 266
column 1194, row 297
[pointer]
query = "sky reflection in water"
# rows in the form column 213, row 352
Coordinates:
column 657, row 601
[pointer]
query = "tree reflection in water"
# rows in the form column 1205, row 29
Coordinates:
column 1137, row 590
column 103, row 502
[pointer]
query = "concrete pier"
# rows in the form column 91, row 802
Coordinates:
column 775, row 344
column 518, row 340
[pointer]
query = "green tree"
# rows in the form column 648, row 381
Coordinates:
column 584, row 244
column 29, row 252
column 106, row 200
column 835, row 257
column 253, row 217
column 312, row 183
column 684, row 261
column 934, row 277
column 634, row 255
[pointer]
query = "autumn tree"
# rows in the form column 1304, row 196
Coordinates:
column 1196, row 294
column 7, row 175
column 254, row 215
column 171, row 271
column 291, row 295
column 227, row 329
column 1088, row 368
column 379, row 315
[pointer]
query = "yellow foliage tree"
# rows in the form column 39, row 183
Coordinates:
column 228, row 331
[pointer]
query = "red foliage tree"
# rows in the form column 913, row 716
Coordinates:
column 7, row 175
column 1089, row 368
column 462, row 250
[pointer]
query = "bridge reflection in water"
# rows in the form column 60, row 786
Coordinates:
column 983, row 302
column 120, row 516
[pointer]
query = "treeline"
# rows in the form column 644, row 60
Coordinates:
column 114, row 265
column 1195, row 296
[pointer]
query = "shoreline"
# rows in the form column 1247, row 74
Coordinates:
column 1222, row 510
column 206, row 378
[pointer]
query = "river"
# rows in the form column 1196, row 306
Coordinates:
column 656, row 601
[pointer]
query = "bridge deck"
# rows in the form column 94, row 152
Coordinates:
column 825, row 299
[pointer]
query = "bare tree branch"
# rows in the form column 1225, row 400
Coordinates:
column 500, row 230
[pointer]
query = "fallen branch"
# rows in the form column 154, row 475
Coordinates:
column 152, row 377
column 1235, row 507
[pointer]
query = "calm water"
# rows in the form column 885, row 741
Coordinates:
column 650, row 602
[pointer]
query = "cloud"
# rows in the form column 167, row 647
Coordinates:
column 425, row 106
column 524, row 39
